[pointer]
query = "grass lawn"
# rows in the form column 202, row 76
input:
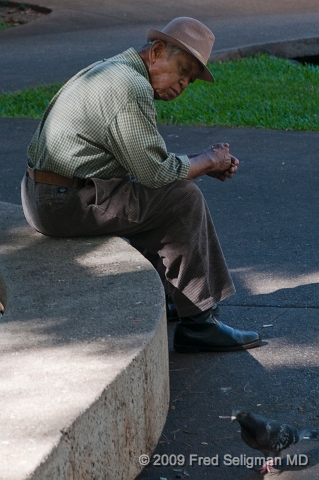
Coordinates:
column 3, row 25
column 261, row 92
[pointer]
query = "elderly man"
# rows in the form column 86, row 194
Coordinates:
column 98, row 165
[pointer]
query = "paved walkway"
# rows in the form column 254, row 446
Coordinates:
column 266, row 217
column 78, row 33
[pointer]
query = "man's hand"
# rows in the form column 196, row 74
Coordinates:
column 215, row 161
column 229, row 172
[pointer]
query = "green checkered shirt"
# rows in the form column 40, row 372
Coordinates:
column 102, row 123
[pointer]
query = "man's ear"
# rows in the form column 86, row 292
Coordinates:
column 156, row 50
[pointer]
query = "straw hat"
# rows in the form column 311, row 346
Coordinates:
column 190, row 35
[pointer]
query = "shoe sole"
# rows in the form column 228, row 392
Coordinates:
column 195, row 349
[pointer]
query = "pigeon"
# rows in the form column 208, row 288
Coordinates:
column 269, row 436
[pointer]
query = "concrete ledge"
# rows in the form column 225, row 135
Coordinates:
column 84, row 357
column 302, row 47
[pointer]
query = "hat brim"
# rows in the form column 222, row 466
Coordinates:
column 158, row 35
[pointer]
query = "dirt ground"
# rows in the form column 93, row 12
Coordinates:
column 18, row 14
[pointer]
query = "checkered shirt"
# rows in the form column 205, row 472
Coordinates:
column 102, row 124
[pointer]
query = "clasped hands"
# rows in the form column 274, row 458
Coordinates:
column 224, row 164
column 215, row 161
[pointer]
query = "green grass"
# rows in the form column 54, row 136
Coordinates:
column 3, row 25
column 261, row 92
column 27, row 103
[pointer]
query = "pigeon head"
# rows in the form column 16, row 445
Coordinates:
column 238, row 414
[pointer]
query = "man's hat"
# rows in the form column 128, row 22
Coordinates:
column 190, row 35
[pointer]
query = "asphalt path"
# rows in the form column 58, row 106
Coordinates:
column 266, row 218
column 76, row 34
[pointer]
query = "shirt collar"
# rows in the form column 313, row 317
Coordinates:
column 134, row 58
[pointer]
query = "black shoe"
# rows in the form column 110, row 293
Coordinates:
column 212, row 336
column 171, row 312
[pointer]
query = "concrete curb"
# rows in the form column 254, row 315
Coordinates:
column 84, row 351
column 301, row 47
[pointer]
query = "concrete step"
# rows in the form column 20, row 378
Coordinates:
column 84, row 357
column 290, row 49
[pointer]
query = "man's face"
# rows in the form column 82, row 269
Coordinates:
column 171, row 74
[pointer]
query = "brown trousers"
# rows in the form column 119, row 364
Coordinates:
column 170, row 225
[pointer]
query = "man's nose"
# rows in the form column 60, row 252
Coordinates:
column 184, row 82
